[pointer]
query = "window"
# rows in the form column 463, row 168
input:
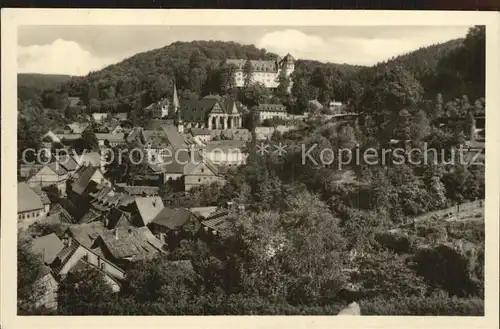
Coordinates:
column 202, row 169
column 102, row 266
column 199, row 180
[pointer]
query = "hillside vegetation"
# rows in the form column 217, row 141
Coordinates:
column 309, row 225
column 41, row 81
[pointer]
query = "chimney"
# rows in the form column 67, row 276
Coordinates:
column 116, row 234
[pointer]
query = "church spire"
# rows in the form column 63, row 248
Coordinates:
column 177, row 110
column 175, row 100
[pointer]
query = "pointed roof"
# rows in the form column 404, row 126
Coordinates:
column 48, row 246
column 175, row 99
column 27, row 199
column 173, row 218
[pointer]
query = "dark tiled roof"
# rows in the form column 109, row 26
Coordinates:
column 219, row 222
column 140, row 190
column 63, row 257
column 201, row 131
column 198, row 109
column 90, row 216
column 86, row 234
column 225, row 145
column 257, row 65
column 48, row 246
column 27, row 199
column 68, row 163
column 116, row 217
column 84, row 175
column 271, row 108
column 112, row 138
column 175, row 139
column 157, row 138
column 173, row 218
column 57, row 168
column 130, row 242
column 192, row 165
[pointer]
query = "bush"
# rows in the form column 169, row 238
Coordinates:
column 423, row 306
column 450, row 269
column 397, row 242
column 472, row 231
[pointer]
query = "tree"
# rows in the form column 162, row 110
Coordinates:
column 283, row 85
column 393, row 90
column 29, row 267
column 247, row 73
column 85, row 292
column 386, row 275
column 163, row 287
column 89, row 140
column 254, row 94
column 225, row 78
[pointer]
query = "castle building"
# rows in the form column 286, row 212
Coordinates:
column 265, row 72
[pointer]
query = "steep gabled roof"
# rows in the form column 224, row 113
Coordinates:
column 58, row 169
column 48, row 246
column 173, row 218
column 68, row 163
column 77, row 128
column 149, row 207
column 175, row 139
column 27, row 199
column 132, row 243
column 43, row 196
column 84, row 175
column 86, row 233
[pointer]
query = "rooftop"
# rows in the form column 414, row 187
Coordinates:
column 149, row 207
column 27, row 199
column 48, row 246
column 135, row 243
column 173, row 218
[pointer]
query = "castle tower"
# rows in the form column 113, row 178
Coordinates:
column 288, row 64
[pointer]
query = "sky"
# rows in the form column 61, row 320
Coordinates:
column 76, row 50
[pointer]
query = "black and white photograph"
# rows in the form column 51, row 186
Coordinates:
column 325, row 170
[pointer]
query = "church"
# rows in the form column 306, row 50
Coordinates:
column 211, row 112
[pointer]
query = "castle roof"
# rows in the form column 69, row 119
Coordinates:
column 257, row 65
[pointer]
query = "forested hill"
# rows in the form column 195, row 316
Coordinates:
column 425, row 59
column 41, row 81
column 196, row 66
column 453, row 69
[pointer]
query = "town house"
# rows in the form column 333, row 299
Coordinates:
column 30, row 208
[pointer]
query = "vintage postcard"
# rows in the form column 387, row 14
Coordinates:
column 187, row 163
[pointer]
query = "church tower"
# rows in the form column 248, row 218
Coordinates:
column 177, row 111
